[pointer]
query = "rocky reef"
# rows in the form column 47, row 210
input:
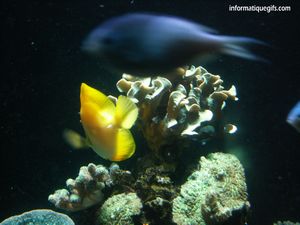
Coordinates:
column 213, row 194
column 172, row 109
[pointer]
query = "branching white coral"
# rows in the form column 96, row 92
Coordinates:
column 84, row 191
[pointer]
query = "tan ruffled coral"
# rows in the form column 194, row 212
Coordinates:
column 188, row 106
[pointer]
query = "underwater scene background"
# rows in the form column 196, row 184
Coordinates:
column 43, row 68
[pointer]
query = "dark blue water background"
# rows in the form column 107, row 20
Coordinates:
column 42, row 68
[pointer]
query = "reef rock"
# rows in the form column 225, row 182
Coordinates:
column 214, row 194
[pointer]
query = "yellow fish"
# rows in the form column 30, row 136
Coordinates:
column 106, row 125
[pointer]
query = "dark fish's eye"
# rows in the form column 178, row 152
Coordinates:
column 108, row 40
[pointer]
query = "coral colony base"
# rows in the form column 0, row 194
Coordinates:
column 169, row 113
column 212, row 191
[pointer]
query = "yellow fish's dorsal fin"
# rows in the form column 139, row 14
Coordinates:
column 126, row 112
column 92, row 95
column 74, row 139
column 125, row 145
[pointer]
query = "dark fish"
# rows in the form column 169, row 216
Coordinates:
column 293, row 117
column 145, row 44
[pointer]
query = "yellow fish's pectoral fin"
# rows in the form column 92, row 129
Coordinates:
column 92, row 95
column 74, row 139
column 126, row 112
column 125, row 145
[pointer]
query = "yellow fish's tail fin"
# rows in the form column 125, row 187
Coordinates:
column 74, row 139
column 125, row 145
column 126, row 112
column 92, row 95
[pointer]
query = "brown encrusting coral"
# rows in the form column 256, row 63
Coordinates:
column 170, row 112
column 156, row 188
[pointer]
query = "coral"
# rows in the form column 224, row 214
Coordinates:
column 84, row 191
column 286, row 223
column 87, row 189
column 214, row 193
column 119, row 209
column 39, row 217
column 185, row 104
column 170, row 111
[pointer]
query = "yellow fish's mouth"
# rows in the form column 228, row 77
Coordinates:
column 107, row 125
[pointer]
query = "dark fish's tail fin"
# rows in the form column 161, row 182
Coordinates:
column 238, row 46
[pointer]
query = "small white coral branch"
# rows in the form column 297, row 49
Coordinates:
column 84, row 191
